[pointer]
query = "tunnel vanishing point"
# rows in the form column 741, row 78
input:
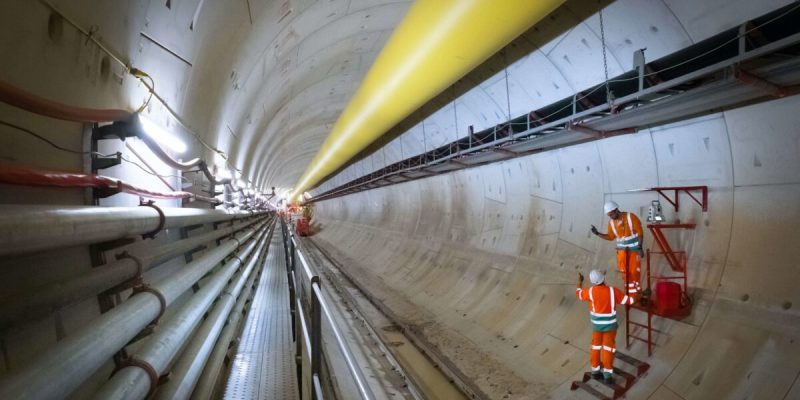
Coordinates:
column 383, row 199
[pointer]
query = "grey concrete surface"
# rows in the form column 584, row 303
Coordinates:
column 483, row 261
column 480, row 260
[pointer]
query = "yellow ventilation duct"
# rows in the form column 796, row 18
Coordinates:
column 437, row 43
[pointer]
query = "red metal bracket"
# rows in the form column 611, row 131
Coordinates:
column 675, row 201
column 671, row 256
column 161, row 218
column 763, row 84
column 133, row 361
column 677, row 261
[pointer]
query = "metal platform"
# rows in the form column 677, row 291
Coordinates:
column 263, row 367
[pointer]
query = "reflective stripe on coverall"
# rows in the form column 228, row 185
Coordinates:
column 627, row 230
column 603, row 302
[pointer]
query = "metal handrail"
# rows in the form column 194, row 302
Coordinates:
column 319, row 308
column 575, row 120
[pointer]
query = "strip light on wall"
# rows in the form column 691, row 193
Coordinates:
column 161, row 135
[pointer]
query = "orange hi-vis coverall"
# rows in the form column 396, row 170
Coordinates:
column 603, row 302
column 627, row 230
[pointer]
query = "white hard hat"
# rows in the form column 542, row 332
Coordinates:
column 596, row 277
column 610, row 206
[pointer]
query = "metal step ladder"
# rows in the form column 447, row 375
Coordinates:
column 678, row 270
column 623, row 380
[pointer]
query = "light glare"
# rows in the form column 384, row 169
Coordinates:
column 160, row 135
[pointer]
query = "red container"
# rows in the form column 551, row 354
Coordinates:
column 668, row 298
column 301, row 227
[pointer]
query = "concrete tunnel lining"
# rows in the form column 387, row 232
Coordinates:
column 489, row 276
column 481, row 259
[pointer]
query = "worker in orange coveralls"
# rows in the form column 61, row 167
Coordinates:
column 626, row 229
column 603, row 301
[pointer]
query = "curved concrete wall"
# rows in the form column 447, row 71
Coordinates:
column 561, row 56
column 482, row 262
column 484, row 252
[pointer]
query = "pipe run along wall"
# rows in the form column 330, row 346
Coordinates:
column 62, row 367
column 483, row 262
column 198, row 353
column 164, row 345
column 24, row 229
column 29, row 303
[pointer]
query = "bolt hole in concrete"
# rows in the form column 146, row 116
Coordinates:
column 55, row 27
column 787, row 305
column 745, row 297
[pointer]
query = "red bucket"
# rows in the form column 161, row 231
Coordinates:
column 302, row 228
column 668, row 297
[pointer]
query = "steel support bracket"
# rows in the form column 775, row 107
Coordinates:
column 504, row 151
column 117, row 130
column 583, row 129
column 99, row 163
column 193, row 227
column 114, row 244
column 101, row 193
column 756, row 81
column 675, row 199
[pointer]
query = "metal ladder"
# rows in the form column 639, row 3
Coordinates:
column 620, row 386
column 677, row 261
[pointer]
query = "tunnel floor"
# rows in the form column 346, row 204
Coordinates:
column 263, row 367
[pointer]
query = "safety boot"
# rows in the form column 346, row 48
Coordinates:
column 644, row 297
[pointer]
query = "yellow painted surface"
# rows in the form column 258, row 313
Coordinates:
column 437, row 43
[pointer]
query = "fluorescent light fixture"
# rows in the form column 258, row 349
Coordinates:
column 160, row 135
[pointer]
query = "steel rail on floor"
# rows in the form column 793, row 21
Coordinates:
column 307, row 322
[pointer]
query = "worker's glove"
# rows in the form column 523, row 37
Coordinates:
column 580, row 278
column 594, row 230
column 641, row 252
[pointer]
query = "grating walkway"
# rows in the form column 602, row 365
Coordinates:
column 263, row 367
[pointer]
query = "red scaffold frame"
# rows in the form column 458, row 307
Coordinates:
column 677, row 261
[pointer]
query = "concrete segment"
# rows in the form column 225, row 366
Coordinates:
column 488, row 278
column 450, row 253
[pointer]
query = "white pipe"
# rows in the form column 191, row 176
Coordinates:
column 39, row 301
column 25, row 229
column 59, row 370
column 186, row 371
column 133, row 382
column 208, row 379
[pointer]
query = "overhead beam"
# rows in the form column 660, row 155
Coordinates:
column 438, row 42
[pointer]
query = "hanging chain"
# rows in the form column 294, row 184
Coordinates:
column 609, row 95
column 455, row 117
column 508, row 93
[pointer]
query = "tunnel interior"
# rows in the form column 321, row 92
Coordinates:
column 457, row 235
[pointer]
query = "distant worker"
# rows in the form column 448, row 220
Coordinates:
column 603, row 302
column 626, row 228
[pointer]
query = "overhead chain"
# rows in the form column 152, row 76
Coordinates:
column 609, row 95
